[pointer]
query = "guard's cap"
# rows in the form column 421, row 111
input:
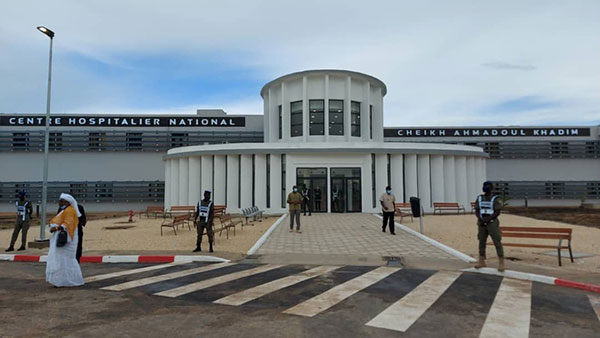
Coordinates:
column 207, row 191
column 21, row 193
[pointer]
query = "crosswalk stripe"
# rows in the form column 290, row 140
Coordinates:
column 189, row 288
column 595, row 301
column 403, row 313
column 510, row 312
column 261, row 290
column 130, row 272
column 162, row 278
column 337, row 294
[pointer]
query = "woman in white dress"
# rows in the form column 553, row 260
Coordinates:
column 62, row 268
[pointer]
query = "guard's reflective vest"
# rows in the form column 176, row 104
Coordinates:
column 204, row 211
column 486, row 207
column 305, row 193
column 22, row 210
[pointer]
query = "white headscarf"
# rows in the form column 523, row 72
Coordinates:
column 72, row 201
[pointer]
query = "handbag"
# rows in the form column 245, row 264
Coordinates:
column 61, row 240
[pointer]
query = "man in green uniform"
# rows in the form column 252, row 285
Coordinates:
column 294, row 199
column 487, row 210
column 24, row 211
column 205, row 211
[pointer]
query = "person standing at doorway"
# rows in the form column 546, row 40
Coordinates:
column 294, row 199
column 205, row 212
column 487, row 210
column 335, row 197
column 387, row 201
column 318, row 196
column 24, row 212
column 306, row 200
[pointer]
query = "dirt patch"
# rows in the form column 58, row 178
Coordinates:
column 570, row 215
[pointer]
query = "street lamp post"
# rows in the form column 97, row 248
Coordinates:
column 50, row 34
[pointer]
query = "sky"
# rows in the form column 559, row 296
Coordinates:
column 445, row 63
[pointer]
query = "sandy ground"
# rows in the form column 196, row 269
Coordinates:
column 145, row 237
column 460, row 232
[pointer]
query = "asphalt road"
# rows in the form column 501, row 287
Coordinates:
column 468, row 305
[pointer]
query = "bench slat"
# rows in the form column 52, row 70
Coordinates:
column 531, row 245
column 530, row 229
column 530, row 235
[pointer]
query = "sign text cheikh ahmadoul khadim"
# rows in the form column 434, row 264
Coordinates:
column 485, row 132
column 123, row 121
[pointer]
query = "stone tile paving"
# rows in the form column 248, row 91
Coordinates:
column 347, row 234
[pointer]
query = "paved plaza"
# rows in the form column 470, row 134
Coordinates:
column 348, row 234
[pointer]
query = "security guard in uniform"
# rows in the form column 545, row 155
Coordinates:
column 487, row 210
column 24, row 212
column 205, row 212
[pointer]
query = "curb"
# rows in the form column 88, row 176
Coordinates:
column 121, row 258
column 537, row 278
column 447, row 249
column 266, row 235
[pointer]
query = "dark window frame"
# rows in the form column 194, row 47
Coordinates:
column 355, row 116
column 334, row 112
column 294, row 113
column 315, row 113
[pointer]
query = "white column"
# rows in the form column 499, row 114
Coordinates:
column 260, row 181
column 233, row 183
column 194, row 194
column 167, row 191
column 305, row 112
column 347, row 106
column 461, row 181
column 206, row 174
column 472, row 179
column 381, row 180
column 364, row 116
column 246, row 181
column 437, row 178
column 275, row 182
column 424, row 183
column 449, row 180
column 220, row 163
column 410, row 174
column 285, row 115
column 183, row 181
column 174, row 181
column 397, row 172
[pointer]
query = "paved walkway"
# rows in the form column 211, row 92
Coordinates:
column 358, row 234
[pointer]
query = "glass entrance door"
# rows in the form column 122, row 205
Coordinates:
column 345, row 190
column 315, row 182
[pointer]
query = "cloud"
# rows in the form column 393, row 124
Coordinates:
column 434, row 56
column 509, row 66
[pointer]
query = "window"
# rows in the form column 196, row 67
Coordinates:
column 373, row 191
column 371, row 121
column 78, row 190
column 134, row 141
column 355, row 118
column 253, row 179
column 559, row 149
column 280, row 122
column 97, row 141
column 268, row 181
column 56, row 141
column 336, row 117
column 179, row 139
column 104, row 191
column 296, row 118
column 317, row 117
column 20, row 141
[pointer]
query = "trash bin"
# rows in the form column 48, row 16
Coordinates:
column 415, row 206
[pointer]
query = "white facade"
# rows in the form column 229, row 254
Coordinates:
column 332, row 127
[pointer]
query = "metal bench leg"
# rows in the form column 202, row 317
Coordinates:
column 570, row 252
column 559, row 249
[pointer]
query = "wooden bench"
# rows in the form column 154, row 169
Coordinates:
column 182, row 209
column 220, row 209
column 175, row 222
column 539, row 233
column 154, row 210
column 403, row 210
column 447, row 206
column 227, row 223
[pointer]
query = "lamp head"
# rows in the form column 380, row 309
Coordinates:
column 46, row 31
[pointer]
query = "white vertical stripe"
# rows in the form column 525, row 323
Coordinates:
column 128, row 272
column 510, row 312
column 216, row 281
column 264, row 289
column 162, row 278
column 339, row 293
column 595, row 302
column 405, row 312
